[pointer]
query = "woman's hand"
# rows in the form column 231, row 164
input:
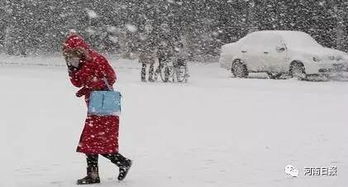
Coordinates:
column 73, row 59
column 83, row 91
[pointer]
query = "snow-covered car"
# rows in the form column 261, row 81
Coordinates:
column 282, row 52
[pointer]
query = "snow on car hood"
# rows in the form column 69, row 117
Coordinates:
column 321, row 52
column 303, row 43
column 318, row 51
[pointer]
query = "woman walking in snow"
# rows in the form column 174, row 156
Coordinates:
column 90, row 71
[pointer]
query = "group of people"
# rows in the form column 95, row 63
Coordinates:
column 164, row 52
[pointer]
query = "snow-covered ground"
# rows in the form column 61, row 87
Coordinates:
column 213, row 131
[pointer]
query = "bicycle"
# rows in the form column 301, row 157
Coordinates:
column 174, row 69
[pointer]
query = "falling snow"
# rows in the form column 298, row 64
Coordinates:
column 214, row 130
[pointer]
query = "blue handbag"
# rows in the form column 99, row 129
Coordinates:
column 105, row 103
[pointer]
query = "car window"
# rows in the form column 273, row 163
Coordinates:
column 263, row 40
column 300, row 40
column 252, row 40
column 272, row 41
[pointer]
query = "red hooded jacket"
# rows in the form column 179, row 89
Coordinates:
column 100, row 133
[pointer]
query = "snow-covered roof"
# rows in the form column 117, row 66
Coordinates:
column 294, row 39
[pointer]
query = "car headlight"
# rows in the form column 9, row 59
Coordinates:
column 316, row 59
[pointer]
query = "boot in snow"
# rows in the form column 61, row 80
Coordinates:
column 122, row 162
column 91, row 178
column 123, row 171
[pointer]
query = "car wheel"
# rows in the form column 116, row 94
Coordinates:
column 297, row 70
column 239, row 69
column 274, row 75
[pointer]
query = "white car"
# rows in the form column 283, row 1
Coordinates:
column 282, row 52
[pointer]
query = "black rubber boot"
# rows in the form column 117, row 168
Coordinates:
column 92, row 171
column 91, row 178
column 122, row 162
column 123, row 170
